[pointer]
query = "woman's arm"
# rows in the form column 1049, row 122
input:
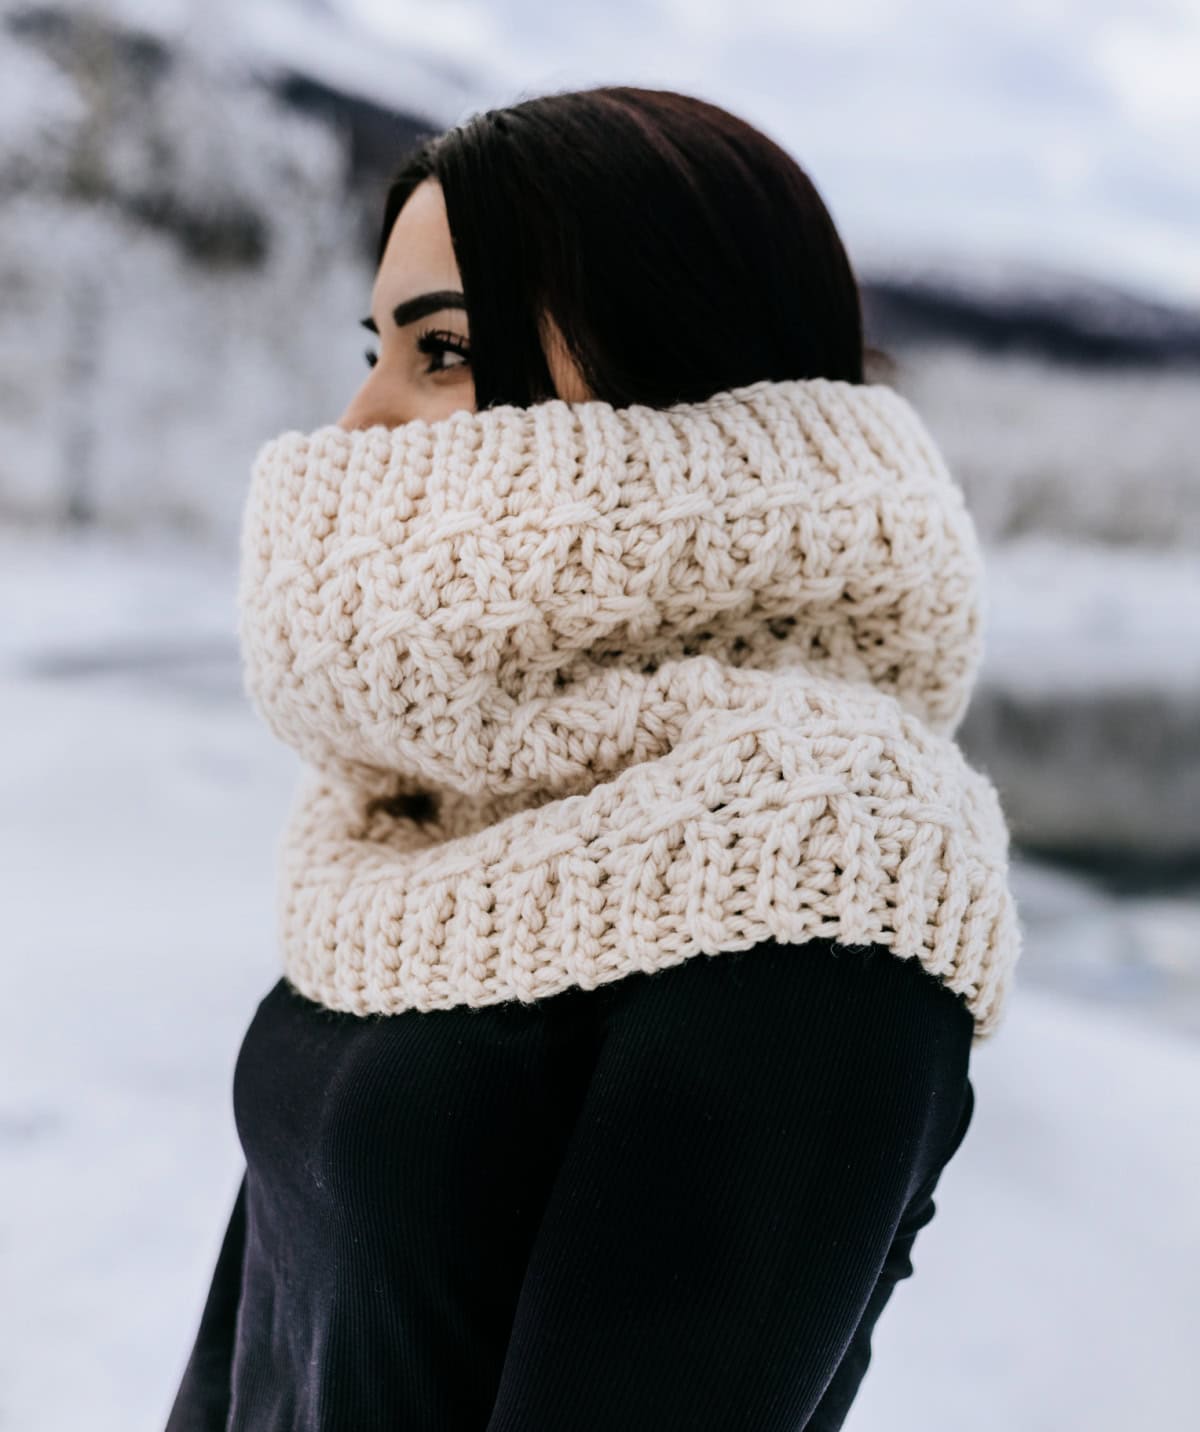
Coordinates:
column 755, row 1151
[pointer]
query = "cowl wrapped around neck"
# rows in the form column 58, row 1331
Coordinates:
column 586, row 690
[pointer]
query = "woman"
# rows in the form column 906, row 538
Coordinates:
column 638, row 914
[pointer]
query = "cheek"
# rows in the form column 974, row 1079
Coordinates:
column 391, row 394
column 452, row 397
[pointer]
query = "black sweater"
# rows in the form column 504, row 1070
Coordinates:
column 677, row 1201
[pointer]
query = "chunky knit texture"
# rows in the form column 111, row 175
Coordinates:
column 585, row 690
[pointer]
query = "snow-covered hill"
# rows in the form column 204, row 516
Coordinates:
column 187, row 195
column 1052, row 133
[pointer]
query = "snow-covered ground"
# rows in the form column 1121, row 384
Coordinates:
column 140, row 802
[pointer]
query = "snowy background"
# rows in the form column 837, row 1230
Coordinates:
column 189, row 201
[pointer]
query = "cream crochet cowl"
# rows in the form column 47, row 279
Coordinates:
column 584, row 690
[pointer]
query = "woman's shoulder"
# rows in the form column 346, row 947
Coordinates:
column 888, row 1011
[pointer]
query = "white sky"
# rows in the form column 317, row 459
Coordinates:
column 1052, row 131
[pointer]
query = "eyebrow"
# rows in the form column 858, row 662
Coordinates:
column 420, row 307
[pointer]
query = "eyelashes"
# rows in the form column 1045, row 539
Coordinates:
column 436, row 343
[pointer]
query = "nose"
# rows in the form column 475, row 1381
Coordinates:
column 376, row 401
column 362, row 412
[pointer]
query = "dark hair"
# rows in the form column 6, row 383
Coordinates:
column 679, row 250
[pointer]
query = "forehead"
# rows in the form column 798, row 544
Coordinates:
column 420, row 252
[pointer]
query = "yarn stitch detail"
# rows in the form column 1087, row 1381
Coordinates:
column 585, row 690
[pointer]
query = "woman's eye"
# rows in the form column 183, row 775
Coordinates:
column 441, row 344
column 372, row 358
